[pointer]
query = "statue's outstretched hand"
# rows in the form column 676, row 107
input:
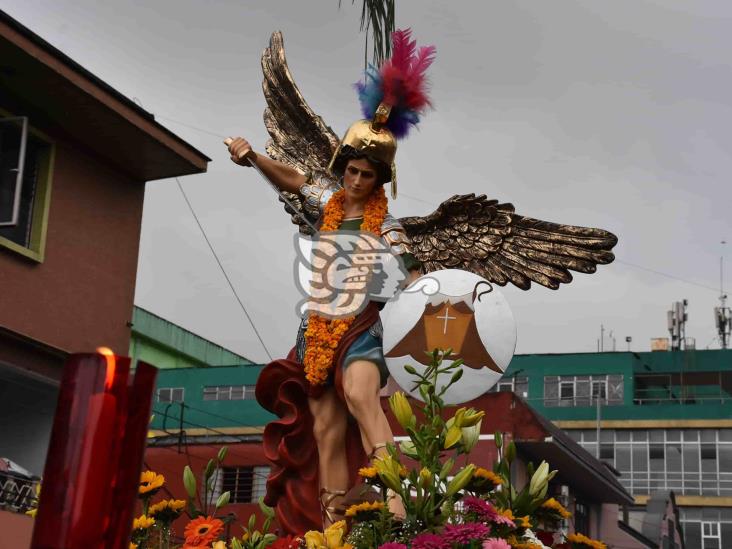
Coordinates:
column 240, row 150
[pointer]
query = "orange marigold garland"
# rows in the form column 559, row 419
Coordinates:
column 323, row 335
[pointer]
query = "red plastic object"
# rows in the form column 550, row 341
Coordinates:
column 93, row 465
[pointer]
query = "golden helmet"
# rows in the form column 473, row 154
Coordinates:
column 374, row 140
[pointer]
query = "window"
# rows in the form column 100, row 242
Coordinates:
column 513, row 384
column 583, row 390
column 246, row 484
column 599, row 390
column 26, row 159
column 171, row 394
column 710, row 536
column 228, row 392
column 566, row 393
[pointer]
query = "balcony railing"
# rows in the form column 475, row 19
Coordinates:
column 685, row 400
column 17, row 492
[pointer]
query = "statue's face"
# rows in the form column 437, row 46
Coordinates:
column 359, row 179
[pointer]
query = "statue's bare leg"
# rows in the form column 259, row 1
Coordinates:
column 361, row 385
column 329, row 430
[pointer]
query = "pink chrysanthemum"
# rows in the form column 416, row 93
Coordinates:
column 480, row 507
column 465, row 533
column 430, row 541
column 393, row 545
column 496, row 543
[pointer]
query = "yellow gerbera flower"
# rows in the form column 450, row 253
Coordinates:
column 581, row 539
column 150, row 482
column 525, row 521
column 142, row 522
column 367, row 472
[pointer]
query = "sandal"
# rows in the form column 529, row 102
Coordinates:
column 330, row 512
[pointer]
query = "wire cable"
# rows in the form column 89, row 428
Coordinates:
column 223, row 271
column 654, row 271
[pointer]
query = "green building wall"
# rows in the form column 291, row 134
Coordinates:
column 197, row 413
column 629, row 364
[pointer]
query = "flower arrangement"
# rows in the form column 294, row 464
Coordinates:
column 323, row 335
column 448, row 506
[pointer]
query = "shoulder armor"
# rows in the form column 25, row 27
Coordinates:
column 395, row 236
column 316, row 194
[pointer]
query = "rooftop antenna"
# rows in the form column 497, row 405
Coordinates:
column 677, row 318
column 722, row 314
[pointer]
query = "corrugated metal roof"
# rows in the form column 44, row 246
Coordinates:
column 163, row 332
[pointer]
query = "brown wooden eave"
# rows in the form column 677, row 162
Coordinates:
column 59, row 94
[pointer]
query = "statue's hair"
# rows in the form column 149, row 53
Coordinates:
column 383, row 172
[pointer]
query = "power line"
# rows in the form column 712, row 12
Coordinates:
column 223, row 271
column 654, row 271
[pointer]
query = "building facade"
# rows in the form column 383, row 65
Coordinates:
column 75, row 156
column 663, row 420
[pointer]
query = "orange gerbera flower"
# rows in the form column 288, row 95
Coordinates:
column 323, row 335
column 203, row 531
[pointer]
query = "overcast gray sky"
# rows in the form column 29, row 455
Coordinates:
column 612, row 114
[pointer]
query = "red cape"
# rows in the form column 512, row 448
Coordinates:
column 293, row 487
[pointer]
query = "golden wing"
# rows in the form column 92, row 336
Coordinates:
column 299, row 137
column 489, row 239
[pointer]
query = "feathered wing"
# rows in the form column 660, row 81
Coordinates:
column 489, row 239
column 299, row 137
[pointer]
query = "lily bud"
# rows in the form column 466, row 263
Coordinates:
column 470, row 436
column 408, row 449
column 223, row 499
column 447, row 468
column 402, row 410
column 539, row 479
column 189, row 481
column 460, row 480
column 454, row 434
column 510, row 452
column 471, row 417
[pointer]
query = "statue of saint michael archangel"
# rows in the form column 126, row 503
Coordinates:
column 326, row 392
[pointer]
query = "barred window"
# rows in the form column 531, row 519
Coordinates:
column 246, row 484
column 578, row 391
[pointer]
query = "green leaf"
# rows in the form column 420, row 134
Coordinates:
column 189, row 481
column 223, row 499
column 266, row 509
column 236, row 544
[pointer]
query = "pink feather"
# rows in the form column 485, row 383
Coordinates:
column 402, row 49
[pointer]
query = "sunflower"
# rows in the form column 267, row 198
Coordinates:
column 365, row 510
column 167, row 511
column 203, row 531
column 150, row 482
